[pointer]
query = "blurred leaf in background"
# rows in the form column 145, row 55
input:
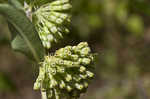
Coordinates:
column 6, row 83
column 135, row 25
column 116, row 29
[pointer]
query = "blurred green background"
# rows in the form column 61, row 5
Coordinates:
column 118, row 30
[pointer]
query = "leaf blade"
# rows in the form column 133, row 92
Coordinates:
column 25, row 29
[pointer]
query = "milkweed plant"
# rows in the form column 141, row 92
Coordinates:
column 37, row 25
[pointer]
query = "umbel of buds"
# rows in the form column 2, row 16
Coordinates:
column 67, row 73
column 51, row 21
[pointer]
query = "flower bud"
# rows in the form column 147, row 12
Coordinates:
column 59, row 2
column 37, row 86
column 90, row 74
column 69, row 88
column 65, row 73
column 62, row 84
column 85, row 61
column 79, row 86
column 82, row 69
column 51, row 20
column 68, row 78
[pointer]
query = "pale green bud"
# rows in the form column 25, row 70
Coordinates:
column 71, row 64
column 83, row 76
column 74, row 57
column 63, row 53
column 59, row 7
column 77, row 78
column 82, row 45
column 60, row 34
column 47, row 44
column 59, row 21
column 68, row 77
column 85, row 61
column 85, row 51
column 52, row 71
column 79, row 86
column 37, row 86
column 90, row 74
column 69, row 88
column 60, row 69
column 52, row 18
column 59, row 2
column 54, row 29
column 82, row 69
column 49, row 24
column 46, row 30
column 82, row 49
column 66, row 30
column 50, row 37
column 59, row 61
column 53, row 83
column 62, row 84
column 66, row 6
column 43, row 37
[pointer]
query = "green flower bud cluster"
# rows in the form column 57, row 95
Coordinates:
column 67, row 73
column 51, row 21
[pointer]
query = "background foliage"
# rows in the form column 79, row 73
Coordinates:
column 118, row 30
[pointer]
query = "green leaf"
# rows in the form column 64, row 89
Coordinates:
column 12, row 30
column 27, row 41
column 16, row 4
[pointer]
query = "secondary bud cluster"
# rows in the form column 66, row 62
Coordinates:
column 51, row 21
column 67, row 73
